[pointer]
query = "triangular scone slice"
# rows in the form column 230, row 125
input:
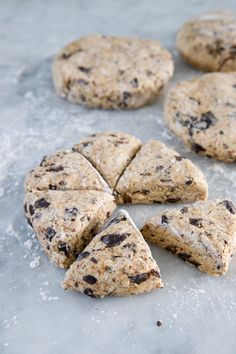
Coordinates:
column 116, row 262
column 203, row 234
column 109, row 153
column 65, row 170
column 160, row 174
column 66, row 221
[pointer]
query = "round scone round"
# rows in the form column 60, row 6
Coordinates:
column 209, row 42
column 111, row 72
column 202, row 113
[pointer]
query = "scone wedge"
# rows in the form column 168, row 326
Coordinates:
column 65, row 170
column 160, row 174
column 116, row 262
column 65, row 221
column 203, row 234
column 109, row 153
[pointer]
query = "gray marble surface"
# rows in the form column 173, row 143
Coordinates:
column 198, row 312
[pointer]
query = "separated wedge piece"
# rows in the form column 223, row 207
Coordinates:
column 116, row 262
column 65, row 221
column 160, row 174
column 203, row 234
column 109, row 153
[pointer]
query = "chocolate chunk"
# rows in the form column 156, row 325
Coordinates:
column 94, row 260
column 63, row 247
column 189, row 182
column 137, row 279
column 50, row 233
column 70, row 213
column 66, row 56
column 89, row 292
column 206, row 120
column 164, row 219
column 197, row 148
column 43, row 160
column 173, row 200
column 134, row 82
column 184, row 210
column 31, row 209
column 55, row 168
column 25, row 207
column 184, row 256
column 196, row 222
column 112, row 240
column 229, row 205
column 90, row 279
column 83, row 255
column 179, row 158
column 159, row 168
column 87, row 144
column 29, row 222
column 52, row 187
column 84, row 69
column 126, row 95
column 41, row 203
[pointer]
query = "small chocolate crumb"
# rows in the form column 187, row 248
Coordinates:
column 158, row 323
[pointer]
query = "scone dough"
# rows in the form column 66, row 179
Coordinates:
column 209, row 42
column 111, row 72
column 160, row 174
column 202, row 113
column 203, row 234
column 65, row 170
column 65, row 221
column 116, row 262
column 109, row 153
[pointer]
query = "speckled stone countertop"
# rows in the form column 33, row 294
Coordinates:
column 198, row 312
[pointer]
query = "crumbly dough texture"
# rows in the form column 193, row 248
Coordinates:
column 160, row 174
column 65, row 221
column 203, row 234
column 116, row 262
column 209, row 42
column 111, row 72
column 65, row 170
column 202, row 113
column 109, row 153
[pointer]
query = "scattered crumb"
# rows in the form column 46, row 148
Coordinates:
column 35, row 262
column 28, row 244
column 159, row 323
